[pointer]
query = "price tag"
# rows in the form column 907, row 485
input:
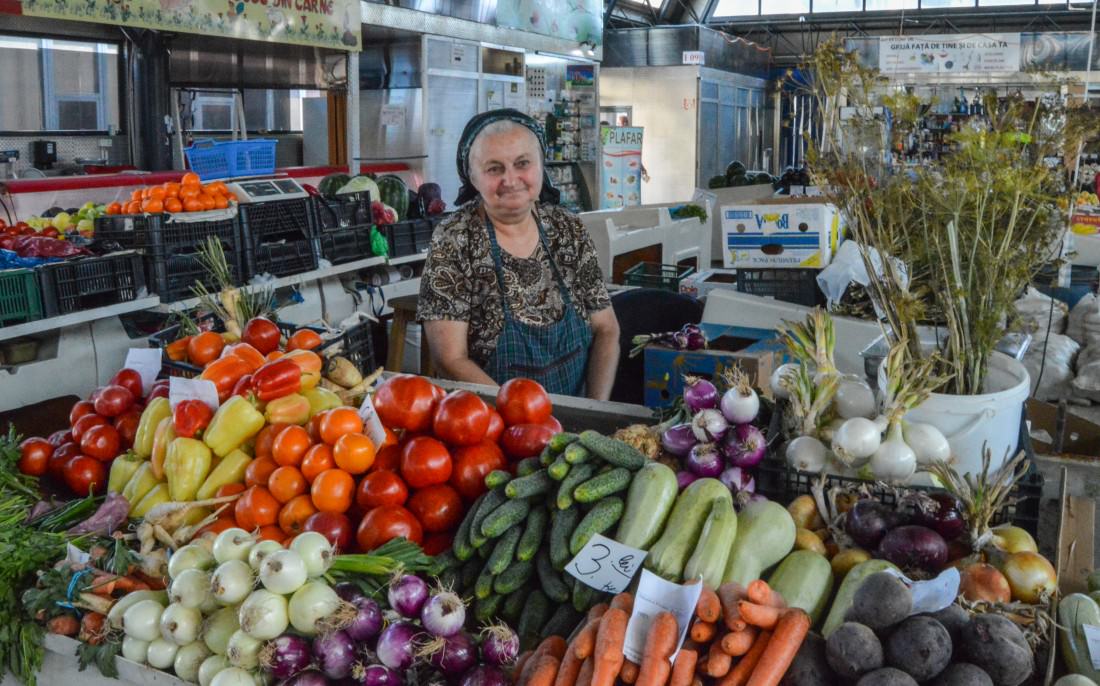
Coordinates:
column 606, row 565
column 932, row 595
column 180, row 389
column 1092, row 638
column 146, row 362
column 371, row 422
column 655, row 595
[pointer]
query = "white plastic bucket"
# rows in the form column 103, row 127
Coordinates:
column 970, row 422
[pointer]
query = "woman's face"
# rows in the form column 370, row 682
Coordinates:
column 506, row 168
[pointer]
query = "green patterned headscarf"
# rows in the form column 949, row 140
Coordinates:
column 467, row 192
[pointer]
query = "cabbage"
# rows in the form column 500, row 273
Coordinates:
column 358, row 184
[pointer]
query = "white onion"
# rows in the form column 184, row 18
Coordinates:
column 807, row 454
column 310, row 604
column 210, row 668
column 231, row 582
column 211, row 605
column 190, row 556
column 283, row 572
column 180, row 624
column 134, row 649
column 856, row 440
column 315, row 550
column 854, row 398
column 894, row 461
column 782, row 370
column 882, row 423
column 827, row 432
column 188, row 660
column 142, row 620
column 928, row 443
column 740, row 405
column 261, row 550
column 263, row 615
column 161, row 653
column 233, row 676
column 218, row 628
column 190, row 589
column 233, row 544
column 243, row 651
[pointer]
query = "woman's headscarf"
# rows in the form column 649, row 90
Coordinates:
column 467, row 192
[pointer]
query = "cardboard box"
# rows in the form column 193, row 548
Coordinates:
column 1082, row 437
column 780, row 232
column 757, row 351
column 700, row 284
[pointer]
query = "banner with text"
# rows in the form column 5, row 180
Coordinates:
column 950, row 54
column 620, row 166
column 325, row 23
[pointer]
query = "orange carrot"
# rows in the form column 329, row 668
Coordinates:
column 586, row 635
column 718, row 663
column 608, row 655
column 585, row 641
column 597, row 611
column 697, row 680
column 660, row 643
column 737, row 643
column 709, row 607
column 762, row 594
column 739, row 675
column 789, row 633
column 629, row 673
column 569, row 668
column 584, row 678
column 684, row 669
column 730, row 594
column 762, row 616
column 552, row 645
column 624, row 601
column 521, row 664
column 545, row 671
column 702, row 632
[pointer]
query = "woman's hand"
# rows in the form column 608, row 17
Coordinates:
column 603, row 356
column 447, row 344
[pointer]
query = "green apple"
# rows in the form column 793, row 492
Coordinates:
column 88, row 205
column 62, row 221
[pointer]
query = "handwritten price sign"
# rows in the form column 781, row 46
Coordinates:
column 606, row 565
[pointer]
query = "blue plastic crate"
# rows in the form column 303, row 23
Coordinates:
column 212, row 159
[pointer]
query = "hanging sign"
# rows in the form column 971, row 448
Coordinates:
column 326, row 23
column 950, row 54
column 620, row 166
column 697, row 57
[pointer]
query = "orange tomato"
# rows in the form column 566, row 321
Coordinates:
column 303, row 339
column 229, row 489
column 133, row 207
column 290, row 446
column 207, row 201
column 293, row 515
column 271, row 532
column 252, row 357
column 354, row 453
column 192, row 205
column 191, row 179
column 157, row 193
column 317, row 459
column 314, row 426
column 136, row 194
column 266, row 438
column 286, row 483
column 172, row 190
column 173, row 205
column 333, row 491
column 114, row 208
column 204, row 348
column 153, row 206
column 256, row 508
column 220, row 203
column 189, row 192
column 219, row 187
column 258, row 471
column 338, row 422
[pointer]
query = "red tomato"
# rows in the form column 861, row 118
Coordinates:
column 552, row 423
column 406, row 402
column 389, row 458
column 438, row 508
column 34, row 456
column 436, row 544
column 334, row 526
column 496, row 426
column 438, row 392
column 86, row 422
column 127, row 426
column 525, row 440
column 523, row 401
column 82, row 408
column 130, row 380
column 60, row 437
column 462, row 419
column 471, row 464
column 386, row 523
column 113, row 401
column 60, row 457
column 159, row 390
column 101, row 442
column 425, row 462
column 381, row 488
column 261, row 334
column 83, row 474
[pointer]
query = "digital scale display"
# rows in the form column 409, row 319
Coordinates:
column 259, row 190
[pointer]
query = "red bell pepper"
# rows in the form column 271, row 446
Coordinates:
column 243, row 387
column 191, row 417
column 159, row 390
column 277, row 379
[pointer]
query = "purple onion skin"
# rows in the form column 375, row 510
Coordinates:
column 914, row 547
column 678, row 440
column 407, row 596
column 443, row 615
column 348, row 591
column 397, row 645
column 335, row 654
column 744, row 446
column 500, row 648
column 868, row 521
column 947, row 521
column 738, row 480
column 485, row 675
column 367, row 623
column 704, row 461
column 310, row 677
column 702, row 395
column 379, row 675
column 457, row 656
column 684, row 479
column 291, row 655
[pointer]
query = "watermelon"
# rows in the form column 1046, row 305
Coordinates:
column 426, row 197
column 393, row 192
column 332, row 183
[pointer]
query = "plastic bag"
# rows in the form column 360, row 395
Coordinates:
column 1075, row 328
column 1033, row 312
column 378, row 243
column 1055, row 380
column 847, row 267
column 1087, row 383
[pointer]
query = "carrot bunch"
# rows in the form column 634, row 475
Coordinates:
column 738, row 637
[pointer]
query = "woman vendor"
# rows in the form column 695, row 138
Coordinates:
column 511, row 286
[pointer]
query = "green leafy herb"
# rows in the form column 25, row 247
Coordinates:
column 102, row 656
column 118, row 559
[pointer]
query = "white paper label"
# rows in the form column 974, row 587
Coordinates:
column 606, row 565
column 1092, row 638
column 655, row 595
column 392, row 115
column 180, row 389
column 932, row 595
column 147, row 363
column 373, row 425
column 76, row 555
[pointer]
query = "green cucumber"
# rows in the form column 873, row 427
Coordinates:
column 533, row 533
column 469, row 574
column 558, row 469
column 599, row 519
column 487, row 609
column 603, row 485
column 463, row 549
column 483, row 587
column 613, row 451
column 444, row 561
column 559, row 442
column 497, row 478
column 505, row 517
column 493, row 500
column 552, row 585
column 534, row 616
column 562, row 622
column 584, row 596
column 578, row 475
column 560, row 532
column 547, row 456
column 649, row 501
column 577, row 454
column 513, row 605
column 514, row 577
column 528, row 466
column 504, row 551
column 529, row 486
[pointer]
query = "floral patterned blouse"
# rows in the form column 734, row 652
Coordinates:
column 460, row 284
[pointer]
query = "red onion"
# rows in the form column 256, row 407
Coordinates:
column 943, row 516
column 348, row 591
column 914, row 547
column 286, row 656
column 377, row 675
column 485, row 675
column 455, row 656
column 744, row 446
column 397, row 645
column 684, row 479
column 310, row 677
column 709, row 426
column 703, row 460
column 678, row 440
column 738, row 480
column 368, row 621
column 335, row 654
column 444, row 614
column 501, row 645
column 693, row 337
column 699, row 394
column 868, row 521
column 407, row 595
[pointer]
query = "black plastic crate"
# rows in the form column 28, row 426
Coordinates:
column 347, row 211
column 281, row 259
column 409, row 237
column 154, row 235
column 653, row 275
column 346, row 245
column 794, row 285
column 173, row 276
column 278, row 220
column 356, row 344
column 90, row 282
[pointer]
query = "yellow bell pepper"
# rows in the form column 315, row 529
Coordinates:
column 122, row 470
column 229, row 470
column 234, row 423
column 151, row 417
column 166, row 433
column 157, row 496
column 310, row 363
column 186, row 467
column 320, row 400
column 139, row 484
column 289, row 409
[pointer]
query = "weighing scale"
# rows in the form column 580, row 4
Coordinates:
column 265, row 190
